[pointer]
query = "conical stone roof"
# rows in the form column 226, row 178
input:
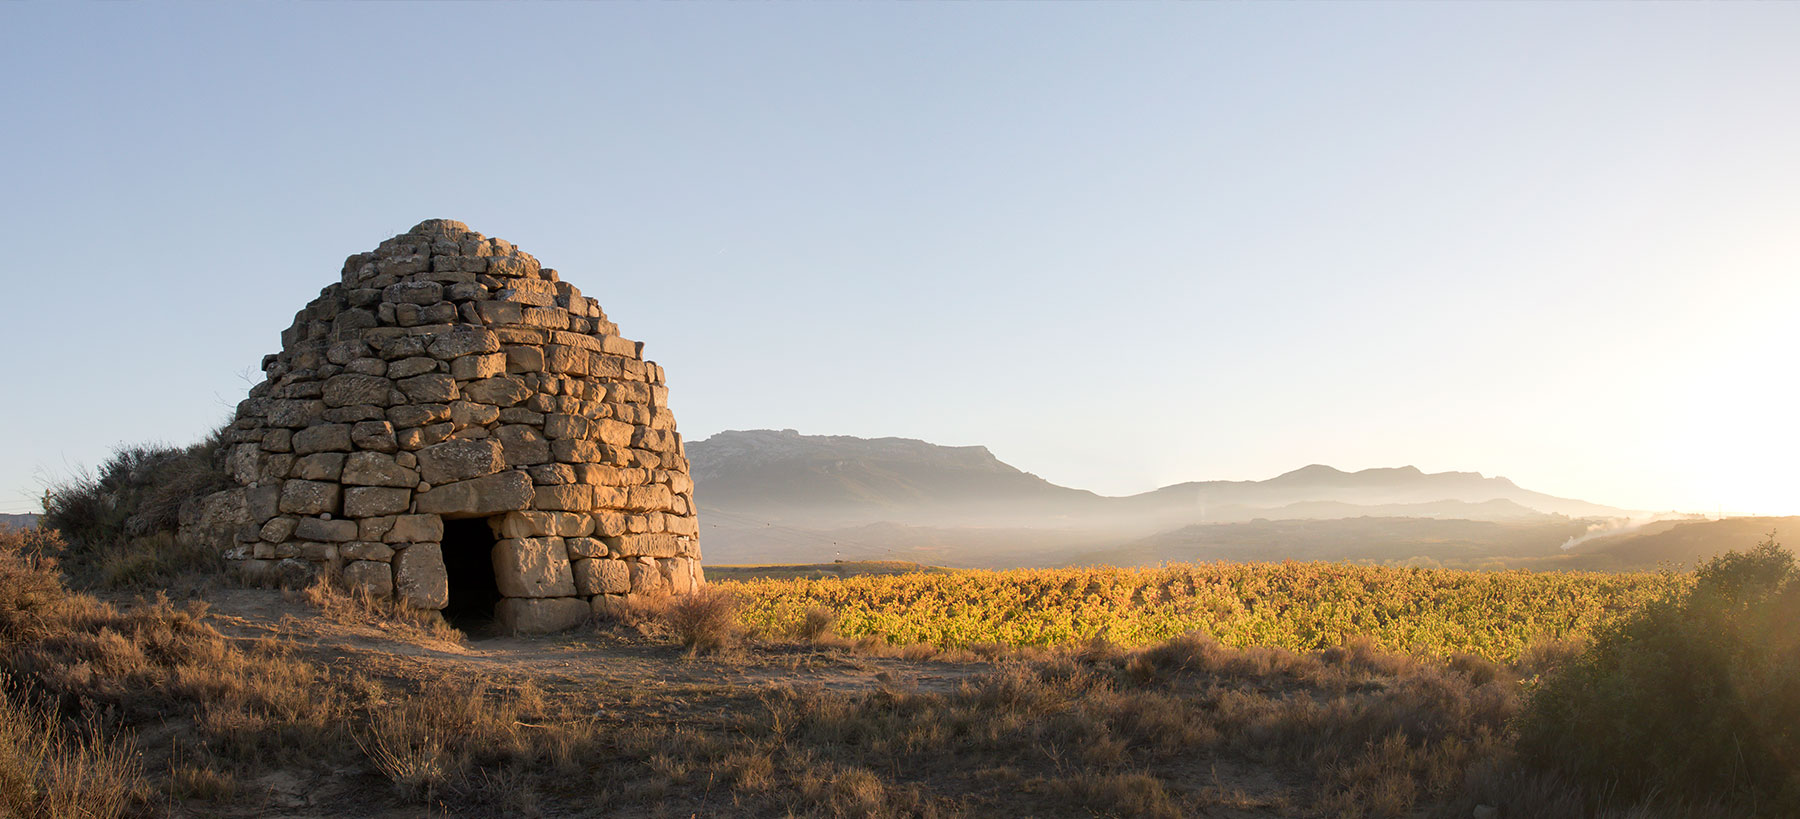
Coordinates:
column 447, row 376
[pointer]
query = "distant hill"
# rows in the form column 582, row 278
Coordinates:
column 1687, row 543
column 18, row 521
column 783, row 474
column 768, row 495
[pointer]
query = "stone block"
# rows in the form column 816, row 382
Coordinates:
column 377, row 469
column 325, row 531
column 461, row 341
column 609, row 522
column 419, row 576
column 471, row 367
column 610, row 606
column 602, row 576
column 375, row 436
column 374, row 577
column 613, row 433
column 544, row 616
column 420, row 293
column 350, row 389
column 541, row 524
column 575, row 451
column 429, row 389
column 646, row 545
column 551, row 474
column 322, row 438
column 521, row 358
column 523, row 445
column 649, row 499
column 367, row 550
column 375, row 501
column 646, row 578
column 421, row 437
column 277, row 530
column 409, row 367
column 407, row 416
column 500, row 391
column 502, row 492
column 533, row 567
column 415, row 529
column 471, row 414
column 300, row 497
column 585, row 547
column 320, row 466
column 458, row 460
column 295, row 413
column 575, row 497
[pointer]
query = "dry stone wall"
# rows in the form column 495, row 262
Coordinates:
column 445, row 376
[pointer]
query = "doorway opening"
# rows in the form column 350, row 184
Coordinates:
column 469, row 565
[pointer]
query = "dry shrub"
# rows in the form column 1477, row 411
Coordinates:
column 113, row 516
column 52, row 771
column 704, row 620
column 818, row 623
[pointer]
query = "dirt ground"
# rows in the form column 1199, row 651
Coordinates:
column 620, row 679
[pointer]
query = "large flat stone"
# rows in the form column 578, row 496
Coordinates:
column 460, row 460
column 419, row 576
column 533, row 567
column 504, row 492
column 544, row 616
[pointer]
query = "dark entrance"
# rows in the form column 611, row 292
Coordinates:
column 468, row 562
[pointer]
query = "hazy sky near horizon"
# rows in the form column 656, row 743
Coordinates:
column 1121, row 245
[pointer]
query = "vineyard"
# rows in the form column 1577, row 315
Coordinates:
column 1299, row 606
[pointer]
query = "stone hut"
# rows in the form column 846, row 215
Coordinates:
column 453, row 425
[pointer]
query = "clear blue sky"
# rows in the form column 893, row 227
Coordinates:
column 1122, row 245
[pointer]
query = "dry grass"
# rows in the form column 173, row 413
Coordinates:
column 357, row 607
column 53, row 770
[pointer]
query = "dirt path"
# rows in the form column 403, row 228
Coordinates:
column 577, row 660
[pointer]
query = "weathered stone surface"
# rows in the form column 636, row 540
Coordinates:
column 321, row 466
column 523, row 445
column 458, row 460
column 409, row 367
column 471, row 367
column 374, row 577
column 461, row 341
column 646, row 578
column 435, row 388
column 545, row 616
column 277, row 530
column 580, row 547
column 647, row 545
column 577, row 497
column 350, row 389
column 415, row 529
column 500, row 391
column 541, row 524
column 300, row 497
column 377, row 469
column 377, row 436
column 325, row 531
column 602, row 576
column 503, row 492
column 419, row 577
column 375, row 501
column 322, row 438
column 533, row 567
column 367, row 550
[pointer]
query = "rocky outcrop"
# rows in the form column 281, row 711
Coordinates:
column 448, row 375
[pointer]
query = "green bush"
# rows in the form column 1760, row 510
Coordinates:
column 123, row 518
column 1695, row 700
